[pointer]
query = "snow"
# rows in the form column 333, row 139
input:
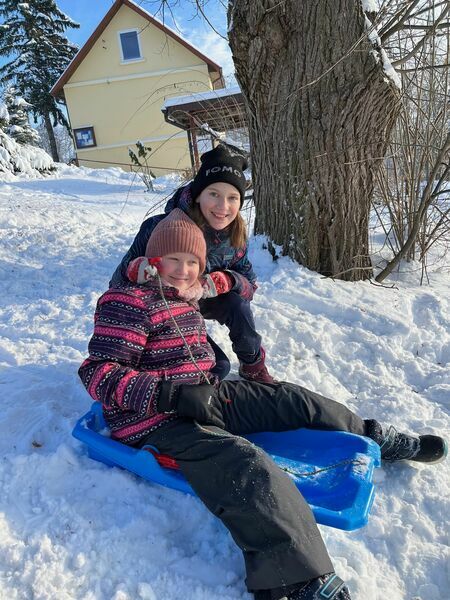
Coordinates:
column 21, row 103
column 379, row 52
column 15, row 129
column 72, row 528
column 201, row 96
column 389, row 69
column 369, row 5
column 230, row 140
column 4, row 114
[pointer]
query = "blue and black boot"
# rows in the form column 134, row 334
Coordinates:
column 394, row 445
column 326, row 587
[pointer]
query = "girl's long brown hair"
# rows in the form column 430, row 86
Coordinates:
column 237, row 230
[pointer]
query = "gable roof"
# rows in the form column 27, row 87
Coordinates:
column 57, row 89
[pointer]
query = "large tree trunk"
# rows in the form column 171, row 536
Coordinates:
column 51, row 137
column 320, row 112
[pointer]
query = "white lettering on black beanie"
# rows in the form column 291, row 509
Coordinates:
column 222, row 165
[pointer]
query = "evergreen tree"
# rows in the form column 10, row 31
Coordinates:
column 4, row 116
column 19, row 127
column 32, row 38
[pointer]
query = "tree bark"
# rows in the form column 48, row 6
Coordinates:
column 51, row 137
column 320, row 111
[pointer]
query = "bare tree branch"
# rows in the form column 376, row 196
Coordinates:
column 397, row 21
column 425, row 68
column 427, row 196
column 422, row 42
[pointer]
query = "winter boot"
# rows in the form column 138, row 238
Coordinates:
column 395, row 446
column 326, row 587
column 256, row 371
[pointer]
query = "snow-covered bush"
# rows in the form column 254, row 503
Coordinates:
column 22, row 158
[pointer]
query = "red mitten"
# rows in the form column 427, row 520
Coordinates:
column 217, row 282
column 142, row 269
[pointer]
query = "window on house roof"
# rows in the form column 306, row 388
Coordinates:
column 129, row 45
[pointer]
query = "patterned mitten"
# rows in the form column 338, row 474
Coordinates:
column 142, row 269
column 217, row 282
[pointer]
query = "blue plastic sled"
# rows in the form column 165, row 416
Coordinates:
column 332, row 469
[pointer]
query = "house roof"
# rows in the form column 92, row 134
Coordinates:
column 202, row 97
column 57, row 89
column 219, row 109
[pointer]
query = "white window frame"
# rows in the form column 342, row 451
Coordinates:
column 130, row 60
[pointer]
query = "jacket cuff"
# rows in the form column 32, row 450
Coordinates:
column 242, row 285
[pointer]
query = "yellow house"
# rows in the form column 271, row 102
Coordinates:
column 115, row 86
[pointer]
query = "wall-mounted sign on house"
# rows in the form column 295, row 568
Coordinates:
column 115, row 86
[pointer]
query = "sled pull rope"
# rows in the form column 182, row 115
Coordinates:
column 179, row 330
column 349, row 461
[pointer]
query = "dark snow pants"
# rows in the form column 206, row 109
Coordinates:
column 222, row 366
column 235, row 312
column 239, row 483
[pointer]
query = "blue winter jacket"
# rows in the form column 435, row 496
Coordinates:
column 220, row 254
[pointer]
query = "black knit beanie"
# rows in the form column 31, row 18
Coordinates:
column 220, row 164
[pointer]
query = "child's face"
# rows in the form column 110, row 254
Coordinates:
column 220, row 203
column 180, row 269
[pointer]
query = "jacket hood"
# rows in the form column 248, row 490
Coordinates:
column 181, row 199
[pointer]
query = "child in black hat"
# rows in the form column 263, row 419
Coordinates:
column 213, row 200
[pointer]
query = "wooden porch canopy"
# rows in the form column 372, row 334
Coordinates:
column 206, row 112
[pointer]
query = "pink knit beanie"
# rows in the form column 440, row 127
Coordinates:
column 177, row 233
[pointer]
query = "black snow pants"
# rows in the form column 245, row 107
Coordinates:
column 259, row 504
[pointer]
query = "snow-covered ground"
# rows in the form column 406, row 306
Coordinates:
column 72, row 528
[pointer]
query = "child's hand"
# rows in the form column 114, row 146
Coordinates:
column 142, row 269
column 217, row 282
column 198, row 402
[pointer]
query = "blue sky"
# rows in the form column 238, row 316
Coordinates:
column 188, row 24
